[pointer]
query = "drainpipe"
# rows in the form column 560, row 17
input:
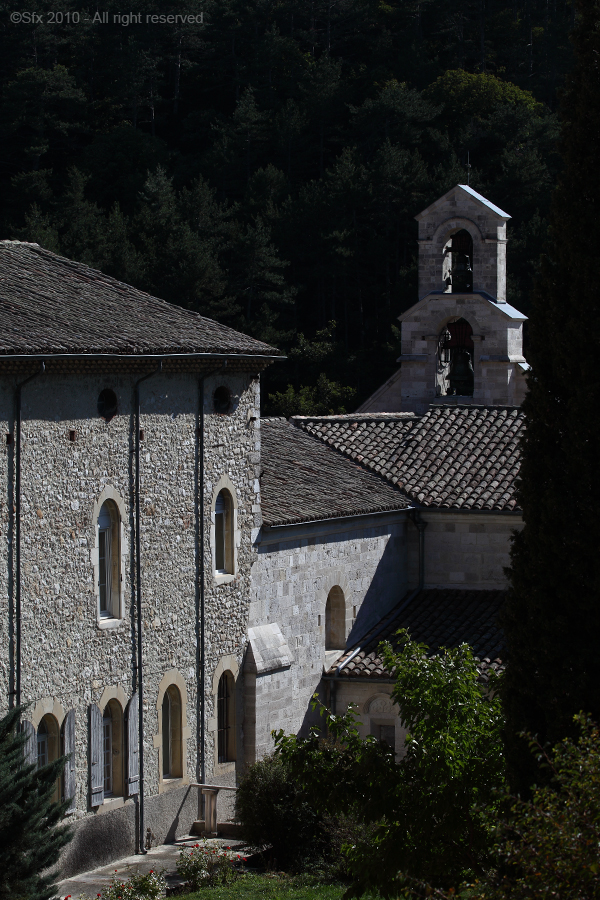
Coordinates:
column 138, row 573
column 21, row 384
column 200, row 613
column 417, row 521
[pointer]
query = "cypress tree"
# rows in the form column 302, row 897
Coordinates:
column 552, row 621
column 31, row 835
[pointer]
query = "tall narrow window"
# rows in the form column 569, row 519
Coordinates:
column 224, row 534
column 48, row 746
column 108, row 560
column 458, row 263
column 172, row 761
column 226, row 719
column 42, row 744
column 455, row 359
column 335, row 620
column 112, row 750
column 107, row 753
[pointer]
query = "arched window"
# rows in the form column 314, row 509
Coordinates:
column 335, row 620
column 112, row 749
column 172, row 761
column 226, row 718
column 455, row 360
column 48, row 745
column 458, row 263
column 109, row 557
column 224, row 534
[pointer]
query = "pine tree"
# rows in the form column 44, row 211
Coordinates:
column 31, row 835
column 553, row 617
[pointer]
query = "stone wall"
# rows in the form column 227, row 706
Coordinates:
column 468, row 550
column 499, row 376
column 455, row 211
column 70, row 456
column 296, row 568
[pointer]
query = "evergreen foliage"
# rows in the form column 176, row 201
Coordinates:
column 273, row 811
column 264, row 167
column 552, row 621
column 31, row 835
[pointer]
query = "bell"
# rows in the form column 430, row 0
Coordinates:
column 461, row 377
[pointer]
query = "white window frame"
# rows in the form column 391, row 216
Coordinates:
column 228, row 551
column 110, row 570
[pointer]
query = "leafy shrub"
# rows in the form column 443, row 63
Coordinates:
column 204, row 866
column 140, row 886
column 270, row 807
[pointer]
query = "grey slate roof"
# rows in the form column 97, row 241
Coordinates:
column 303, row 480
column 49, row 304
column 453, row 457
column 439, row 618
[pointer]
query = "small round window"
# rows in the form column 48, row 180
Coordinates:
column 107, row 404
column 222, row 400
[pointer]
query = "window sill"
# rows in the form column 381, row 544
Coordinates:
column 224, row 768
column 109, row 804
column 106, row 623
column 223, row 577
column 172, row 784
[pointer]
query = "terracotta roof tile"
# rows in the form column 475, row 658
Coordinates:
column 453, row 457
column 436, row 617
column 49, row 304
column 303, row 480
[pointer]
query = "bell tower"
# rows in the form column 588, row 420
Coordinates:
column 461, row 342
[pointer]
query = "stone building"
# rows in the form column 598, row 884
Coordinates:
column 337, row 581
column 179, row 577
column 130, row 482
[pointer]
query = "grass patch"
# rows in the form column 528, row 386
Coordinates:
column 269, row 887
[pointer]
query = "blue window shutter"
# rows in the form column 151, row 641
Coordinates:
column 133, row 749
column 96, row 757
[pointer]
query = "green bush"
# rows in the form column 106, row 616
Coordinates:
column 272, row 812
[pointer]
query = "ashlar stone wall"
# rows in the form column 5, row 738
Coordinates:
column 463, row 550
column 498, row 362
column 296, row 568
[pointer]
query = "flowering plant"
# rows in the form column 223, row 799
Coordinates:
column 139, row 886
column 205, row 866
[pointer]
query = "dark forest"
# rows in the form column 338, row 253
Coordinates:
column 263, row 166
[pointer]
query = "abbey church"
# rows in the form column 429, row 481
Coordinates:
column 180, row 576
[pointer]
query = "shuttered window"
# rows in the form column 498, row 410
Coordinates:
column 68, row 749
column 133, row 752
column 42, row 745
column 96, row 757
column 226, row 718
column 107, row 753
column 30, row 747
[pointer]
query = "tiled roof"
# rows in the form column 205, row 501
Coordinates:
column 303, row 480
column 453, row 457
column 436, row 617
column 49, row 304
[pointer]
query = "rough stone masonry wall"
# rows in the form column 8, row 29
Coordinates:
column 66, row 657
column 296, row 568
